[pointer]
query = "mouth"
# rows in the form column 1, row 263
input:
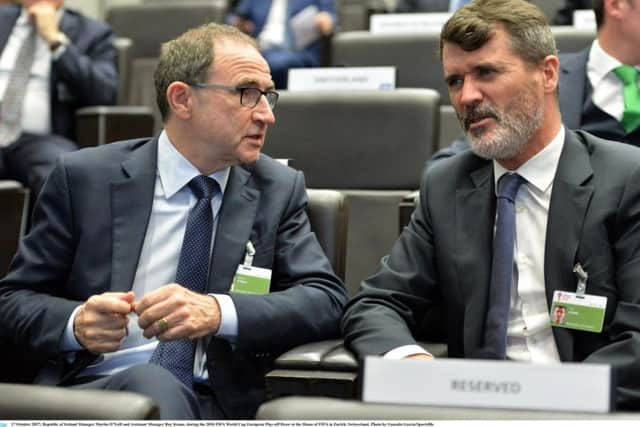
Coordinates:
column 256, row 139
column 477, row 122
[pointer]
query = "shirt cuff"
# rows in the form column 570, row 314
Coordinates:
column 69, row 341
column 404, row 351
column 228, row 329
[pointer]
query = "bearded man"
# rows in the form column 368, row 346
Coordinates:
column 507, row 230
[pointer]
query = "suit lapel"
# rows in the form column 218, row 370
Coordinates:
column 6, row 26
column 235, row 222
column 475, row 216
column 131, row 202
column 573, row 74
column 570, row 198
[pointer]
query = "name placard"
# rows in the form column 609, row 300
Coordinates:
column 407, row 22
column 584, row 19
column 360, row 78
column 569, row 387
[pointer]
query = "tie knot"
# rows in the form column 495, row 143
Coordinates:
column 508, row 186
column 628, row 74
column 203, row 187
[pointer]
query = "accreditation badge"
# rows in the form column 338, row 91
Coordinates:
column 581, row 312
column 251, row 280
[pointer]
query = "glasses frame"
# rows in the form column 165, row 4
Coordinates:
column 270, row 95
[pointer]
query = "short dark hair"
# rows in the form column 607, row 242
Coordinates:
column 189, row 57
column 473, row 25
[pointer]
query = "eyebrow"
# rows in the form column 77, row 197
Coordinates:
column 253, row 82
column 497, row 65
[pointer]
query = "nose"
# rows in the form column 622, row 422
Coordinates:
column 262, row 112
column 470, row 93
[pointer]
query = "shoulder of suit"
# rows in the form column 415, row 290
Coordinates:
column 269, row 166
column 106, row 151
column 83, row 20
column 616, row 152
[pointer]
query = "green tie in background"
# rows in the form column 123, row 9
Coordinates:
column 631, row 117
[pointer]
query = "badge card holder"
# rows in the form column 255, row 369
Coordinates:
column 578, row 310
column 250, row 279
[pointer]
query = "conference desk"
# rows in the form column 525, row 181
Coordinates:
column 324, row 408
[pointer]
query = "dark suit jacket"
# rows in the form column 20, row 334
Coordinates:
column 84, row 75
column 572, row 83
column 88, row 231
column 257, row 11
column 444, row 258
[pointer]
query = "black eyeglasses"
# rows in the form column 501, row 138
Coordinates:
column 249, row 96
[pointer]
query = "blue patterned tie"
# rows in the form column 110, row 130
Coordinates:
column 177, row 356
column 495, row 338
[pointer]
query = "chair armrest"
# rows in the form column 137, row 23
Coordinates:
column 405, row 209
column 323, row 368
column 329, row 354
column 35, row 402
column 104, row 124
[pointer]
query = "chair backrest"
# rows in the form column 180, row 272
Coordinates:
column 549, row 7
column 14, row 201
column 151, row 24
column 571, row 39
column 415, row 56
column 356, row 139
column 327, row 213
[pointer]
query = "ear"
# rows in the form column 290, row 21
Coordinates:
column 615, row 8
column 550, row 65
column 179, row 98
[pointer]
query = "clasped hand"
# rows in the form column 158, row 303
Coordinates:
column 168, row 313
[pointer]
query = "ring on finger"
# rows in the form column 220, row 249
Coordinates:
column 162, row 325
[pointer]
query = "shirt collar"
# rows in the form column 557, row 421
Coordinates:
column 176, row 171
column 539, row 170
column 600, row 63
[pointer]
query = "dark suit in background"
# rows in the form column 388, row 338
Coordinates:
column 578, row 110
column 84, row 75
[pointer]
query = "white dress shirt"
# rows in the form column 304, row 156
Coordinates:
column 158, row 262
column 529, row 334
column 607, row 86
column 36, row 108
column 273, row 32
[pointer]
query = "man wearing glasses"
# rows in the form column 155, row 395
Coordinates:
column 106, row 285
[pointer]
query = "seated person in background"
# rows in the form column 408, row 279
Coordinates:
column 577, row 201
column 592, row 95
column 599, row 85
column 270, row 23
column 124, row 280
column 68, row 63
column 564, row 15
